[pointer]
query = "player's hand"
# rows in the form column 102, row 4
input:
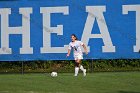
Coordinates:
column 67, row 55
column 86, row 52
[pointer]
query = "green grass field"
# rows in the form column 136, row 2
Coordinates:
column 107, row 82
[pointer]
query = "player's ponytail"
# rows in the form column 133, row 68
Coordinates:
column 74, row 36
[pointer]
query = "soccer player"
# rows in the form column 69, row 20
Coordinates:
column 78, row 55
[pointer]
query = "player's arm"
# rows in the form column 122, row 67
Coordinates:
column 68, row 52
column 85, row 48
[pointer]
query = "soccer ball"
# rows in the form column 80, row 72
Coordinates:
column 54, row 74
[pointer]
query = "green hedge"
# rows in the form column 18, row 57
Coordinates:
column 68, row 66
column 116, row 65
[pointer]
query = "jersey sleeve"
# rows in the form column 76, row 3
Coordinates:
column 69, row 47
column 81, row 43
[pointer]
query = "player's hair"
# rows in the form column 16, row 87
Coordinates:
column 74, row 36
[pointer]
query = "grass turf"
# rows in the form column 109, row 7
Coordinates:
column 107, row 82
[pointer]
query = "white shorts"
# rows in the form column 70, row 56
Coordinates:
column 78, row 57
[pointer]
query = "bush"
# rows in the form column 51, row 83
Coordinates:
column 68, row 66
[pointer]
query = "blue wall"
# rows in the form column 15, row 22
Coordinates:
column 120, row 26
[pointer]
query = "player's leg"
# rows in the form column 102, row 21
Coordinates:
column 76, row 67
column 81, row 67
column 78, row 60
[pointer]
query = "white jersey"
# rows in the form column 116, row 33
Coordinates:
column 76, row 47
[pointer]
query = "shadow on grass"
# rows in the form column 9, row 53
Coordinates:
column 127, row 92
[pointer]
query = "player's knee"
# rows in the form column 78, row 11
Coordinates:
column 76, row 64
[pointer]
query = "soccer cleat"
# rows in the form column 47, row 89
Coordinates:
column 75, row 75
column 84, row 72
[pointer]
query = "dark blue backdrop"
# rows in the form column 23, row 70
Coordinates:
column 122, row 29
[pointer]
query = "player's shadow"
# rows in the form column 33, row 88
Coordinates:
column 127, row 92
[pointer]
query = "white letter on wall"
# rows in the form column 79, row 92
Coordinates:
column 135, row 8
column 24, row 30
column 47, row 29
column 98, row 11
